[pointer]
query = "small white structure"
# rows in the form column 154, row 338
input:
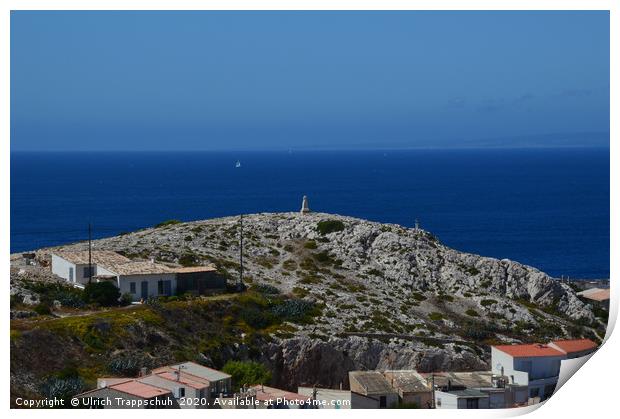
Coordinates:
column 139, row 279
column 304, row 206
column 461, row 399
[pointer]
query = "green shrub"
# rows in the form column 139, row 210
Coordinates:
column 126, row 299
column 323, row 257
column 300, row 292
column 488, row 302
column 62, row 388
column 295, row 310
column 310, row 244
column 329, row 226
column 103, row 293
column 435, row 316
column 471, row 270
column 265, row 289
column 49, row 292
column 42, row 309
column 247, row 373
column 473, row 313
column 129, row 365
column 189, row 259
column 418, row 296
column 167, row 223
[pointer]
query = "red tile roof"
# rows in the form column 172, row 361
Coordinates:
column 576, row 345
column 601, row 295
column 139, row 389
column 528, row 350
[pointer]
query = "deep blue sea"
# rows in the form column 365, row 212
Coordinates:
column 548, row 208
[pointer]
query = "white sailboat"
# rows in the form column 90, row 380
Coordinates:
column 238, row 164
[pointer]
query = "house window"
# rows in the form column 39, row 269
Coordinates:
column 382, row 401
column 71, row 274
column 181, row 392
column 164, row 287
column 132, row 287
column 472, row 403
column 89, row 271
column 534, row 392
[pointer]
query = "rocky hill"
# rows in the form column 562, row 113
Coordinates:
column 386, row 296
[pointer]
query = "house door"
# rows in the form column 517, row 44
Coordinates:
column 144, row 289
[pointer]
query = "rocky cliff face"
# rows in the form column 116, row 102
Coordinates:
column 391, row 297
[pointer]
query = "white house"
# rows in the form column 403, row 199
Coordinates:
column 537, row 365
column 74, row 266
column 534, row 365
column 140, row 279
column 461, row 399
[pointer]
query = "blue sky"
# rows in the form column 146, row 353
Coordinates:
column 280, row 80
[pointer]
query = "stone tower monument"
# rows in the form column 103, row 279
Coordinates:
column 304, row 206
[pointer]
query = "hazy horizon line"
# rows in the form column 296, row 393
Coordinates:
column 320, row 149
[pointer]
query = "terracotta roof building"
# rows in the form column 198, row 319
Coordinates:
column 529, row 350
column 574, row 348
column 128, row 394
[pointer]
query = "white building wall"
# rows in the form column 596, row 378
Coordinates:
column 525, row 370
column 445, row 400
column 61, row 268
column 539, row 367
column 152, row 284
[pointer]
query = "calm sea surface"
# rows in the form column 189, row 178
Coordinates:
column 546, row 208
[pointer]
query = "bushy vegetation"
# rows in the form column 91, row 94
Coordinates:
column 295, row 310
column 167, row 223
column 488, row 302
column 266, row 289
column 189, row 259
column 329, row 226
column 62, row 387
column 262, row 311
column 247, row 373
column 129, row 365
column 49, row 292
column 310, row 244
column 471, row 312
column 445, row 298
column 103, row 293
column 435, row 316
column 418, row 296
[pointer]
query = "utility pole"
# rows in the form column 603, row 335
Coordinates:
column 240, row 284
column 90, row 254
